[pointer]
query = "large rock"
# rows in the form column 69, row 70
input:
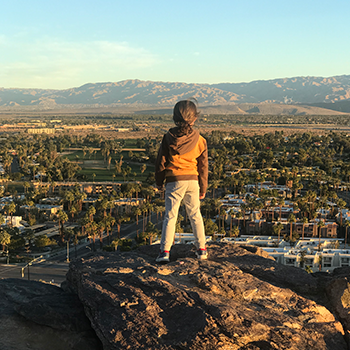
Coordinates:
column 237, row 299
column 338, row 292
column 41, row 316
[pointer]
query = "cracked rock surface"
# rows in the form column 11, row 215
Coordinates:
column 238, row 299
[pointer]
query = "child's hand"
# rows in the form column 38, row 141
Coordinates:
column 201, row 195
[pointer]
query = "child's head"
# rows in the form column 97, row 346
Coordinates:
column 185, row 114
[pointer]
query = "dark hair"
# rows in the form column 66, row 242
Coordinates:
column 185, row 113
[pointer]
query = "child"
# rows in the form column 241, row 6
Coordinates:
column 183, row 163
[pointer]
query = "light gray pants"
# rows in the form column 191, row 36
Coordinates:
column 188, row 192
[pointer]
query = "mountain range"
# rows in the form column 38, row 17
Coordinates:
column 298, row 95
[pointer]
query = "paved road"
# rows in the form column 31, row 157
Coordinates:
column 54, row 269
column 49, row 272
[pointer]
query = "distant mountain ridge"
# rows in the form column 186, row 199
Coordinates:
column 297, row 90
column 318, row 91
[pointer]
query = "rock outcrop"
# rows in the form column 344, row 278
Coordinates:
column 235, row 300
column 239, row 298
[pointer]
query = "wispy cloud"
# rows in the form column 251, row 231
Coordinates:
column 58, row 64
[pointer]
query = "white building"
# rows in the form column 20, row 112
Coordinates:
column 16, row 221
column 325, row 260
column 185, row 238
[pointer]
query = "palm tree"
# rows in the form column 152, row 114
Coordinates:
column 144, row 210
column 320, row 258
column 93, row 227
column 115, row 244
column 137, row 212
column 68, row 234
column 244, row 207
column 91, row 212
column 137, row 189
column 234, row 182
column 100, row 228
column 216, row 203
column 119, row 220
column 5, row 239
column 53, row 185
column 305, row 221
column 104, row 206
column 311, row 196
column 158, row 209
column 85, row 150
column 206, row 206
column 10, row 209
column 273, row 204
column 341, row 205
column 62, row 218
column 291, row 220
column 26, row 185
column 232, row 215
column 69, row 197
column 143, row 168
column 302, row 258
column 125, row 172
column 75, row 240
column 79, row 197
column 222, row 216
column 109, row 223
column 73, row 211
column 281, row 204
column 346, row 224
column 234, row 232
column 296, row 187
column 277, row 230
column 84, row 222
column 151, row 235
column 214, row 185
column 7, row 161
column 2, row 219
column 91, row 151
column 239, row 216
column 320, row 225
column 150, row 211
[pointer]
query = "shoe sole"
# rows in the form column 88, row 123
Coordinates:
column 202, row 257
column 163, row 261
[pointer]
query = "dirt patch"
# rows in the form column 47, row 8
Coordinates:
column 65, row 153
column 93, row 164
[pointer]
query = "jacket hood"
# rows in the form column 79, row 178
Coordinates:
column 180, row 143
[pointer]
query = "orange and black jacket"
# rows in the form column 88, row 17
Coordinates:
column 182, row 157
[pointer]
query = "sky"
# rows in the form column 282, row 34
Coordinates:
column 65, row 44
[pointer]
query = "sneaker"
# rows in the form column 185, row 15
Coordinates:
column 202, row 254
column 163, row 257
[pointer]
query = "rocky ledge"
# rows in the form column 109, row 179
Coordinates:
column 238, row 299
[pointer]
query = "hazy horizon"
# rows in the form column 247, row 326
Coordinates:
column 180, row 82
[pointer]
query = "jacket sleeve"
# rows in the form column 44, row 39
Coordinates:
column 161, row 163
column 202, row 167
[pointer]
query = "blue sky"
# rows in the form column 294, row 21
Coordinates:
column 65, row 44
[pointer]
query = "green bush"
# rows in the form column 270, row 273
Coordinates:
column 108, row 248
column 125, row 248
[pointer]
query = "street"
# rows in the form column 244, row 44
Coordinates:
column 54, row 269
column 48, row 272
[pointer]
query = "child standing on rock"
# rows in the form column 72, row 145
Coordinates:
column 182, row 163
